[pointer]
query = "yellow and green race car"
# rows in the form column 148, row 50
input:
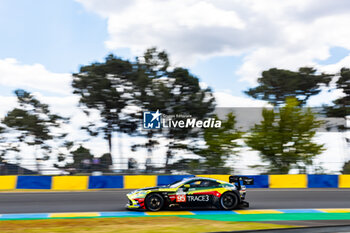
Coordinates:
column 192, row 192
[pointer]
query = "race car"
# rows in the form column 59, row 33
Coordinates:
column 192, row 192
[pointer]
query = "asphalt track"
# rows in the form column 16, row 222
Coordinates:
column 43, row 202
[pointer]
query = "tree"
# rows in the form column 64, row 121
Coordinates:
column 276, row 85
column 79, row 155
column 220, row 143
column 151, row 92
column 84, row 161
column 9, row 143
column 35, row 123
column 187, row 97
column 284, row 138
column 106, row 162
column 346, row 168
column 341, row 107
column 192, row 166
column 108, row 88
column 81, row 160
column 173, row 92
column 2, row 140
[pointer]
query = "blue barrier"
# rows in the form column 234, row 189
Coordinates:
column 322, row 181
column 106, row 182
column 168, row 179
column 260, row 181
column 120, row 181
column 34, row 182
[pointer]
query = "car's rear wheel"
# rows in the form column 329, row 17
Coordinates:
column 154, row 202
column 228, row 201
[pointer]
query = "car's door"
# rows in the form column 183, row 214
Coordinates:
column 201, row 192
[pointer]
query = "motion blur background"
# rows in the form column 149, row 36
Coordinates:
column 75, row 77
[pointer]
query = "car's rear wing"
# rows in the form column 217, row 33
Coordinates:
column 237, row 180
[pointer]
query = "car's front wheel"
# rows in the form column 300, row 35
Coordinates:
column 228, row 201
column 154, row 202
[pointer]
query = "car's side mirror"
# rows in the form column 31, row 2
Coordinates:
column 186, row 187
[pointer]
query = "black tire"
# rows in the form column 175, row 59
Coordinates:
column 154, row 202
column 228, row 201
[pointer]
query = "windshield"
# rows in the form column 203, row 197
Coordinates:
column 177, row 183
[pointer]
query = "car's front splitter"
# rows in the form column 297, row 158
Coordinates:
column 137, row 203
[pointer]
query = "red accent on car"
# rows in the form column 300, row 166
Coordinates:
column 141, row 202
column 172, row 197
column 214, row 193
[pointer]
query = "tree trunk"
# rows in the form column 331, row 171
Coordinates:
column 149, row 148
column 36, row 159
column 109, row 132
column 168, row 156
column 109, row 139
column 120, row 150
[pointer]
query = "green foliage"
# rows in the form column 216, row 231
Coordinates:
column 172, row 92
column 114, row 85
column 107, row 87
column 35, row 123
column 9, row 144
column 2, row 140
column 105, row 161
column 153, row 91
column 186, row 98
column 192, row 166
column 30, row 124
column 276, row 85
column 83, row 161
column 154, row 62
column 341, row 107
column 346, row 168
column 220, row 143
column 284, row 138
column 79, row 155
column 33, row 118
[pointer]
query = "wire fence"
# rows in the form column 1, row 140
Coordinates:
column 160, row 168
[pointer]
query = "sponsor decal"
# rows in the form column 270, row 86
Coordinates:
column 198, row 198
column 181, row 198
column 172, row 197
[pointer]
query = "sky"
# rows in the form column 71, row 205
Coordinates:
column 226, row 43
